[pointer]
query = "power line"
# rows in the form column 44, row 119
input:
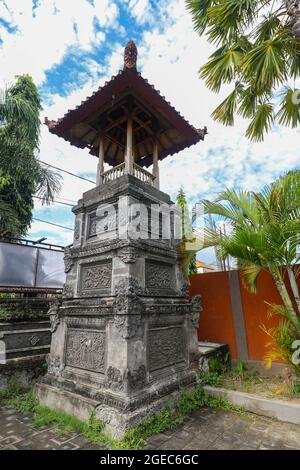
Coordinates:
column 68, row 172
column 55, row 201
column 67, row 200
column 52, row 223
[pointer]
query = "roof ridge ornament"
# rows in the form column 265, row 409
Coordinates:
column 130, row 55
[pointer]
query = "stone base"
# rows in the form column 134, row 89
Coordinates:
column 117, row 421
column 23, row 371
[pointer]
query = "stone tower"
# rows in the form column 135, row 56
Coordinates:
column 124, row 334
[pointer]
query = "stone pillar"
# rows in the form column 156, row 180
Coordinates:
column 100, row 168
column 155, row 170
column 129, row 147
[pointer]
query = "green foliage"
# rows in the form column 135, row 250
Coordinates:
column 296, row 388
column 281, row 337
column 21, row 313
column 210, row 378
column 257, row 50
column 189, row 400
column 263, row 234
column 21, row 174
column 188, row 256
column 239, row 367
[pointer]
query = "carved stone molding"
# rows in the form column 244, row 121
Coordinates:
column 128, row 256
column 77, row 230
column 137, row 379
column 68, row 260
column 195, row 310
column 54, row 315
column 127, row 325
column 127, row 297
column 68, row 292
column 114, row 379
column 54, row 365
column 184, row 288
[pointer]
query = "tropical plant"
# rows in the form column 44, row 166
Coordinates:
column 263, row 234
column 258, row 52
column 21, row 174
column 281, row 338
column 188, row 246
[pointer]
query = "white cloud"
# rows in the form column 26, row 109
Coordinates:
column 169, row 56
column 140, row 9
column 42, row 40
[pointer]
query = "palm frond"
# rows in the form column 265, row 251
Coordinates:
column 221, row 67
column 224, row 113
column 261, row 122
column 198, row 10
column 289, row 112
column 250, row 277
column 49, row 184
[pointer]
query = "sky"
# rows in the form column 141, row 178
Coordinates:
column 70, row 48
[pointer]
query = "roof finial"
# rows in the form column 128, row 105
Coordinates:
column 130, row 55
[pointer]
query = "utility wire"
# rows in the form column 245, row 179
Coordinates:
column 68, row 172
column 52, row 223
column 67, row 200
column 55, row 201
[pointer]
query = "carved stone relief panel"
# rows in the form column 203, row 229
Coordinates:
column 92, row 225
column 166, row 347
column 95, row 277
column 159, row 275
column 85, row 349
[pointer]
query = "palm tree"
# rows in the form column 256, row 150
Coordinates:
column 21, row 174
column 190, row 242
column 263, row 234
column 258, row 52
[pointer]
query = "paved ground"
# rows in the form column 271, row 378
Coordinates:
column 205, row 429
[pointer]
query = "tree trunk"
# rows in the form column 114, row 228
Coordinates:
column 285, row 297
column 294, row 287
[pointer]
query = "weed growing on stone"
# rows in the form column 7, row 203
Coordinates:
column 135, row 438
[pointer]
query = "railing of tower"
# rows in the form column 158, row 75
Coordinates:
column 143, row 175
column 119, row 170
column 114, row 173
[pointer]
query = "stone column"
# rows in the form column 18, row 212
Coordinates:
column 129, row 147
column 155, row 170
column 100, row 168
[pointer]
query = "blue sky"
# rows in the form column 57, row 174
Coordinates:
column 72, row 50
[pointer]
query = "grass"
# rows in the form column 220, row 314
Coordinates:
column 189, row 400
column 245, row 378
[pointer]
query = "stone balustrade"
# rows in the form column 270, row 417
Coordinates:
column 119, row 170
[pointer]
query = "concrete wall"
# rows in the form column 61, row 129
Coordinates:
column 232, row 315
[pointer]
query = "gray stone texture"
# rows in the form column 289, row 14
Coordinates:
column 204, row 430
column 124, row 336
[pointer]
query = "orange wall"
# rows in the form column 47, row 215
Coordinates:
column 216, row 324
column 216, row 320
column 255, row 314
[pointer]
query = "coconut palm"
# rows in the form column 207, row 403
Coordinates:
column 21, row 173
column 257, row 51
column 263, row 234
